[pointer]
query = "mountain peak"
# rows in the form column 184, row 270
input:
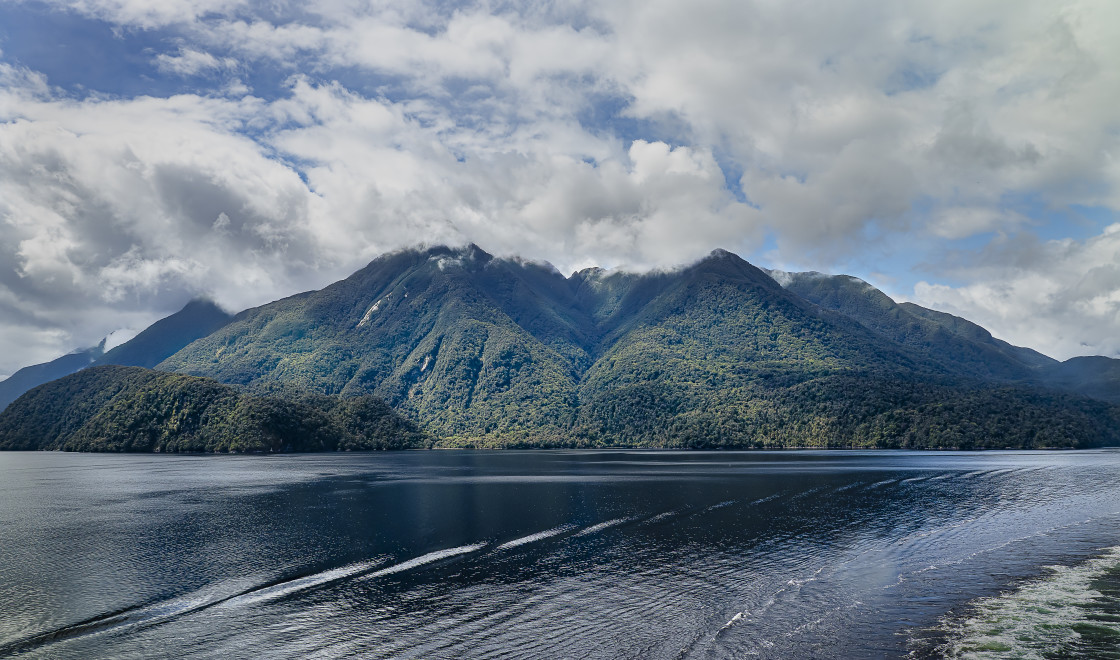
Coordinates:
column 468, row 256
column 200, row 304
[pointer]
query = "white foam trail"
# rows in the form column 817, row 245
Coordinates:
column 659, row 517
column 604, row 525
column 721, row 505
column 536, row 537
column 849, row 486
column 737, row 617
column 881, row 483
column 140, row 616
column 300, row 584
column 1039, row 617
column 807, row 493
column 768, row 498
column 425, row 559
column 198, row 600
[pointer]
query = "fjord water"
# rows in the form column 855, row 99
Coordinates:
column 561, row 554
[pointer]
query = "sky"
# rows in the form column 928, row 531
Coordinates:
column 963, row 155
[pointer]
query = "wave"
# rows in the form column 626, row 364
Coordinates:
column 230, row 593
column 536, row 537
column 426, row 559
column 604, row 525
column 300, row 584
column 768, row 498
column 140, row 616
column 661, row 516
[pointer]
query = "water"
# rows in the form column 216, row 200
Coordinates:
column 596, row 554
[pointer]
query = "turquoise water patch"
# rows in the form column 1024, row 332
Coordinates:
column 1072, row 613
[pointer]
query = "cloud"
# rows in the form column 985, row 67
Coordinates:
column 107, row 209
column 956, row 222
column 140, row 204
column 1061, row 297
column 147, row 15
column 306, row 139
column 190, row 62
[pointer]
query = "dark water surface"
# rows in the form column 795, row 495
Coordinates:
column 596, row 554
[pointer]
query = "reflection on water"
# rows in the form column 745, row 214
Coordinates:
column 559, row 554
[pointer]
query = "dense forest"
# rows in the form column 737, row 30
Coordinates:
column 456, row 348
column 113, row 408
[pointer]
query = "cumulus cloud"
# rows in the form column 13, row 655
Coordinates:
column 147, row 15
column 625, row 133
column 190, row 62
column 140, row 204
column 1061, row 297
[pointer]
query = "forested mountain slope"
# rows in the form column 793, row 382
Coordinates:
column 37, row 374
column 112, row 408
column 958, row 343
column 486, row 351
column 147, row 349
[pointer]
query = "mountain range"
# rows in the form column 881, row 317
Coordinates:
column 147, row 349
column 465, row 349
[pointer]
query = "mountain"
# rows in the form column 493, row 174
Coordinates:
column 168, row 335
column 471, row 345
column 459, row 348
column 960, row 344
column 113, row 408
column 1094, row 376
column 37, row 374
column 483, row 351
column 147, row 349
column 957, row 342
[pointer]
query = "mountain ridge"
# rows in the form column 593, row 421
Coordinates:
column 196, row 319
column 484, row 351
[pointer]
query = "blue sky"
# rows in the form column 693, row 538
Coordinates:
column 963, row 155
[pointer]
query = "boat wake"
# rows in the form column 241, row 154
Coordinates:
column 227, row 594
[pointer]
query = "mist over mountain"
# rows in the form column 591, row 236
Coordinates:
column 481, row 351
column 37, row 374
column 147, row 349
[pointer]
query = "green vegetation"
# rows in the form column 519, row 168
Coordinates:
column 112, row 408
column 37, row 374
column 485, row 352
column 959, row 345
column 147, row 349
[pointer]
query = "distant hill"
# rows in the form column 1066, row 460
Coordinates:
column 959, row 343
column 147, row 349
column 111, row 408
column 37, row 374
column 1094, row 376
